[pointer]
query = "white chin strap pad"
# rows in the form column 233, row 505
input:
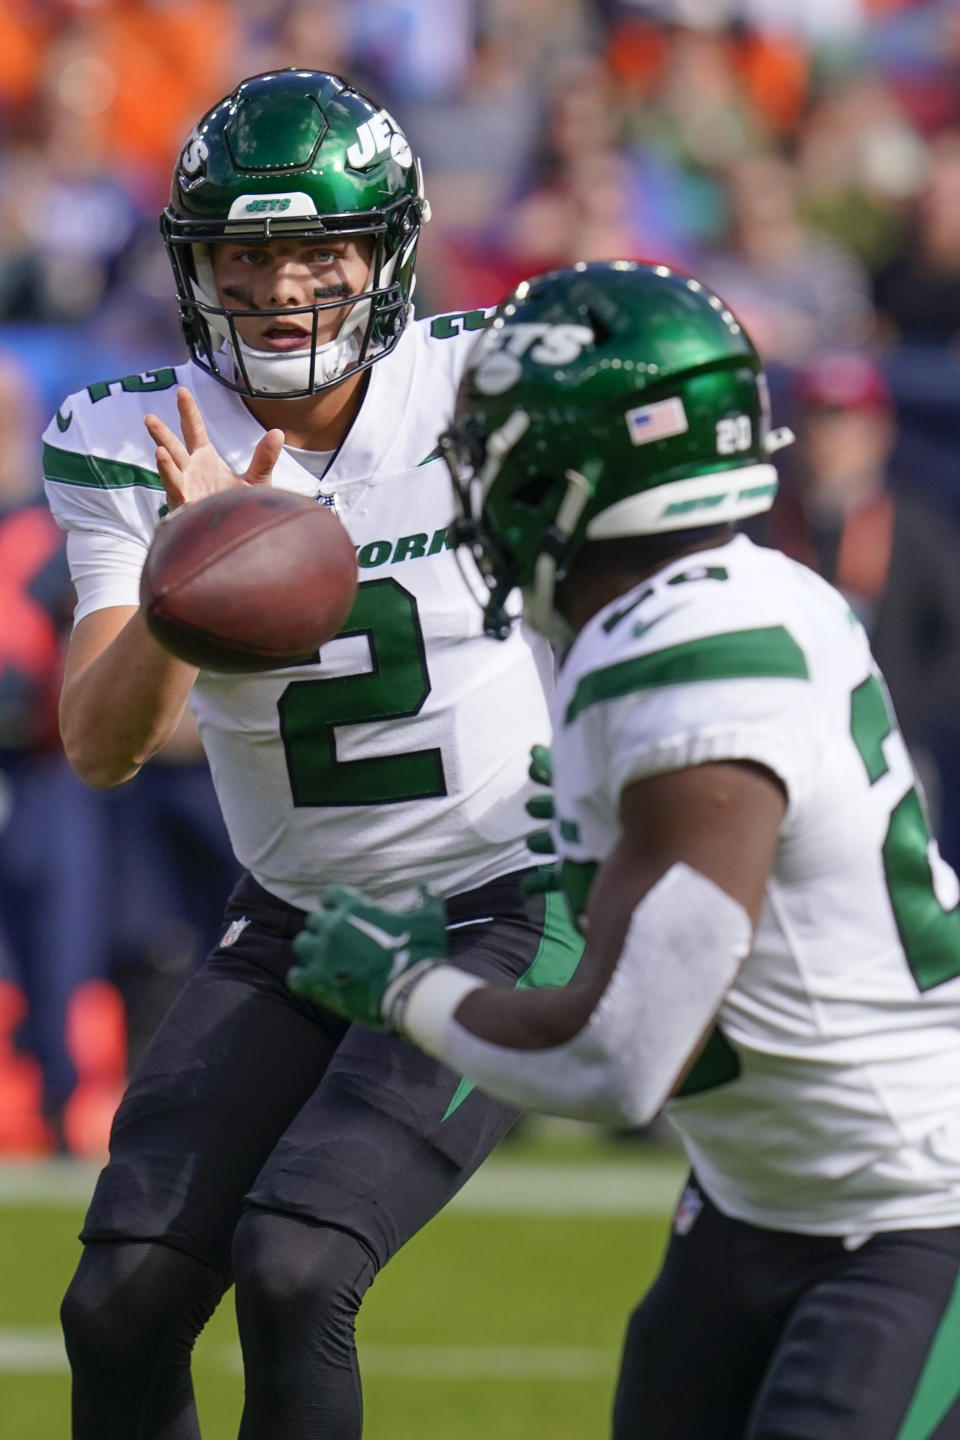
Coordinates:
column 279, row 374
column 683, row 948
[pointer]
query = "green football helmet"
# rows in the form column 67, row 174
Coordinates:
column 295, row 153
column 606, row 400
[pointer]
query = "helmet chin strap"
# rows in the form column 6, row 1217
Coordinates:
column 279, row 374
column 539, row 611
column 538, row 608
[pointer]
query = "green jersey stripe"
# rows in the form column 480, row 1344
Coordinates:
column 557, row 957
column 94, row 472
column 768, row 653
column 939, row 1384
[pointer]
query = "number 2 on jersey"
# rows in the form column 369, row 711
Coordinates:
column 395, row 689
column 929, row 933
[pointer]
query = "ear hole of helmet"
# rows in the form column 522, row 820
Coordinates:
column 533, row 492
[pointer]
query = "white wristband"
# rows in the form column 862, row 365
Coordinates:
column 432, row 1004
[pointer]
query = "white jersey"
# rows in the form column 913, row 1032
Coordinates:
column 828, row 1099
column 400, row 757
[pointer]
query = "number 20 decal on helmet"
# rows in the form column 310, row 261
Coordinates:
column 607, row 400
column 295, row 154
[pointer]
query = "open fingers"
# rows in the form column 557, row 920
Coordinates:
column 170, row 476
column 264, row 458
column 161, row 434
column 191, row 421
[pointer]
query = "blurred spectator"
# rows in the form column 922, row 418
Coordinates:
column 795, row 289
column 586, row 197
column 171, row 870
column 415, row 49
column 916, row 45
column 312, row 34
column 917, row 294
column 475, row 147
column 584, row 201
column 860, row 161
column 817, row 20
column 890, row 553
column 697, row 107
column 67, row 219
column 52, row 835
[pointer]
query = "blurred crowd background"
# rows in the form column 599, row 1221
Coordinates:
column 801, row 156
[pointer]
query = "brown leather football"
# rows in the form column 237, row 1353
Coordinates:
column 249, row 579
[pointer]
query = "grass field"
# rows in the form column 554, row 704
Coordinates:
column 503, row 1318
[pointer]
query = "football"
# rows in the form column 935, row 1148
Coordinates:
column 248, row 579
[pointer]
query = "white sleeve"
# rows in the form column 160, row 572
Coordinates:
column 681, row 953
column 108, row 528
column 766, row 721
column 105, row 567
column 639, row 704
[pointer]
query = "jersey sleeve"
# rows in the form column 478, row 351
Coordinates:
column 735, row 694
column 106, row 503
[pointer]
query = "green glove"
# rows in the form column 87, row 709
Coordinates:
column 541, row 768
column 545, row 878
column 352, row 951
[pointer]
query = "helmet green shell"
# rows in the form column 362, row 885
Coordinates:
column 605, row 400
column 295, row 153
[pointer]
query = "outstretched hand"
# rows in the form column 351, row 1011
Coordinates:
column 190, row 468
column 353, row 952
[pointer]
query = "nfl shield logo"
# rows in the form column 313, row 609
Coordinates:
column 331, row 503
column 233, row 932
column 688, row 1208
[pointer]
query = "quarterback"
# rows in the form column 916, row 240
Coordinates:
column 773, row 942
column 264, row 1141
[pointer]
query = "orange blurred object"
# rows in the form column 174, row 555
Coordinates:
column 23, row 1130
column 24, row 36
column 637, row 54
column 132, row 76
column 776, row 73
column 97, row 1030
column 171, row 63
column 97, row 1041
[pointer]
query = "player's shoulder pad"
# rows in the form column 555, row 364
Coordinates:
column 450, row 338
column 457, row 324
column 702, row 619
column 663, row 611
column 107, row 410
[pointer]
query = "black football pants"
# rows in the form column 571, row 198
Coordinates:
column 265, row 1141
column 752, row 1334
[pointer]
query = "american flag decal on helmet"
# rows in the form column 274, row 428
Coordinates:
column 657, row 421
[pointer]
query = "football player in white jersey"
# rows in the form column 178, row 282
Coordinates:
column 262, row 1140
column 773, row 942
